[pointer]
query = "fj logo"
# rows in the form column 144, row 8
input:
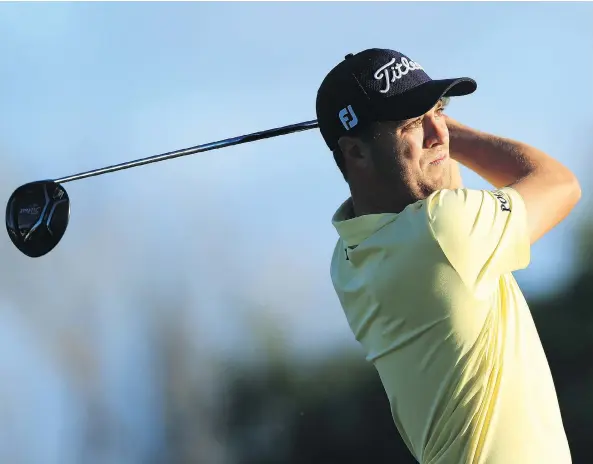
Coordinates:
column 348, row 117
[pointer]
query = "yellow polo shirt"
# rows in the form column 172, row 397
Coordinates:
column 429, row 295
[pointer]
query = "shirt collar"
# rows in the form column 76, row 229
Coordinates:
column 354, row 230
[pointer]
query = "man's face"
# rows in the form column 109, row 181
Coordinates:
column 413, row 155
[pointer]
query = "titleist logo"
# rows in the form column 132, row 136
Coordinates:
column 391, row 71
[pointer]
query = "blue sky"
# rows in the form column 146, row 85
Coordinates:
column 83, row 85
column 90, row 84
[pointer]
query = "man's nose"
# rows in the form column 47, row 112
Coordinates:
column 435, row 131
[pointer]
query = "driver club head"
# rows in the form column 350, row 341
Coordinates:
column 37, row 215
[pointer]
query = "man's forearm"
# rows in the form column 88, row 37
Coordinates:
column 498, row 160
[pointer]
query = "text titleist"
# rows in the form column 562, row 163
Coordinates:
column 397, row 71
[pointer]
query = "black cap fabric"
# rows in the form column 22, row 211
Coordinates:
column 379, row 85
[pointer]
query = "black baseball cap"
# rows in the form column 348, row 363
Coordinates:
column 379, row 85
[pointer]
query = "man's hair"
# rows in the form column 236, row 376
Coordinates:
column 367, row 134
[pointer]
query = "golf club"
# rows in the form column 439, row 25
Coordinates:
column 37, row 213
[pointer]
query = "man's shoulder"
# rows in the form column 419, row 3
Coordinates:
column 408, row 233
column 468, row 201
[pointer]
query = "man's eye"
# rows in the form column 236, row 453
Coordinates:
column 414, row 124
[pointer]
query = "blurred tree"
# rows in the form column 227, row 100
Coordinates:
column 190, row 390
column 565, row 324
column 333, row 412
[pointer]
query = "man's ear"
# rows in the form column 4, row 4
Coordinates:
column 351, row 148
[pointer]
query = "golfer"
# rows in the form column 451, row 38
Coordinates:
column 423, row 266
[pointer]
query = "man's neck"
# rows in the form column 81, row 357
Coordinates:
column 377, row 203
column 380, row 195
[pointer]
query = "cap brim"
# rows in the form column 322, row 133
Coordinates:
column 423, row 97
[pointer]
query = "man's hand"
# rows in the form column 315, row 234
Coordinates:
column 548, row 188
column 455, row 173
column 479, row 151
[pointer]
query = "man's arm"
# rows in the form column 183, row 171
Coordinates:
column 548, row 188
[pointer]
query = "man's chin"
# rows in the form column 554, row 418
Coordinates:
column 450, row 179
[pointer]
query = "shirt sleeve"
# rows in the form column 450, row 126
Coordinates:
column 482, row 233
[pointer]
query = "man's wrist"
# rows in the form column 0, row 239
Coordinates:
column 461, row 139
column 498, row 160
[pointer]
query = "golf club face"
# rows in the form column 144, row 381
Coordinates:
column 37, row 215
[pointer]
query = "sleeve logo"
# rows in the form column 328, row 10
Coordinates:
column 505, row 204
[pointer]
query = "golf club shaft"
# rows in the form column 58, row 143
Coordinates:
column 302, row 126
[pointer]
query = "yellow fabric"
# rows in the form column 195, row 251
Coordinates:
column 429, row 295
